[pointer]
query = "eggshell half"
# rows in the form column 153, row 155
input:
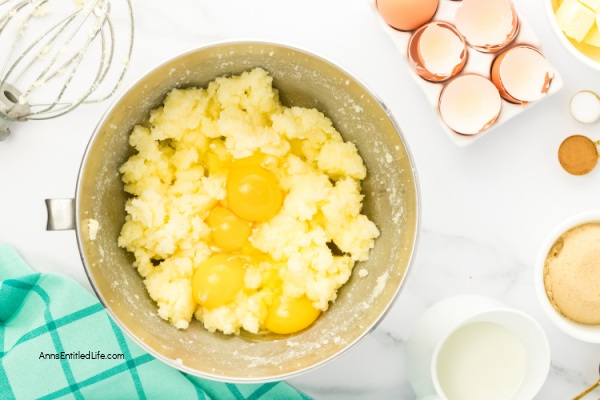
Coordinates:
column 469, row 104
column 437, row 51
column 488, row 26
column 522, row 74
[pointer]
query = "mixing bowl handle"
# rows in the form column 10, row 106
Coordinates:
column 61, row 214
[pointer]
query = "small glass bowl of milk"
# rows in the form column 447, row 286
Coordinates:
column 472, row 347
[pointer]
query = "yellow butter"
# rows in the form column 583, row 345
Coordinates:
column 594, row 5
column 179, row 173
column 575, row 19
column 593, row 36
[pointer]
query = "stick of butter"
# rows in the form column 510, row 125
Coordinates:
column 593, row 36
column 575, row 19
column 594, row 5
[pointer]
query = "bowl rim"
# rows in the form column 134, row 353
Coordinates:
column 442, row 319
column 79, row 221
column 583, row 332
column 562, row 38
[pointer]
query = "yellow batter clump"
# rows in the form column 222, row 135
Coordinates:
column 237, row 203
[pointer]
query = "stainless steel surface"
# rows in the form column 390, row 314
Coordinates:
column 9, row 102
column 4, row 128
column 391, row 201
column 44, row 46
column 61, row 214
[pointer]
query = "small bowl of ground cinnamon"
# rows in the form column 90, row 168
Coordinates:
column 578, row 154
column 567, row 276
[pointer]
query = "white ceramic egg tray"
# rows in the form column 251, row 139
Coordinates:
column 478, row 63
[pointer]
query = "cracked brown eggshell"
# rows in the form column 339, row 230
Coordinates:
column 437, row 51
column 522, row 74
column 488, row 26
column 469, row 104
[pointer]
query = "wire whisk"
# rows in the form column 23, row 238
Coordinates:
column 58, row 54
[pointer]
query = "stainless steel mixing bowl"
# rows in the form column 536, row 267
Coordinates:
column 391, row 201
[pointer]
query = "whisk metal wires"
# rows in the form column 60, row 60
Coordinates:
column 58, row 54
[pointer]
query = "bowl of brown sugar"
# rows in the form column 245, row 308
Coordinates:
column 567, row 276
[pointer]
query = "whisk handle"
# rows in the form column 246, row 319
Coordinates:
column 12, row 108
column 4, row 130
column 588, row 390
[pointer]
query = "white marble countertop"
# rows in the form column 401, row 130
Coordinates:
column 486, row 208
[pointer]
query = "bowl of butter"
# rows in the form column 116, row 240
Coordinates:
column 247, row 211
column 577, row 26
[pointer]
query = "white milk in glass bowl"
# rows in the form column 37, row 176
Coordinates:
column 471, row 347
column 487, row 355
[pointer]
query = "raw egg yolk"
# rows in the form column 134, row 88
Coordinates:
column 229, row 232
column 253, row 193
column 218, row 279
column 290, row 316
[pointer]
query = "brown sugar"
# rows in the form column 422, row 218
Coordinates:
column 572, row 274
column 578, row 155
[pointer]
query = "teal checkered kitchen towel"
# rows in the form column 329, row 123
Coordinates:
column 46, row 314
